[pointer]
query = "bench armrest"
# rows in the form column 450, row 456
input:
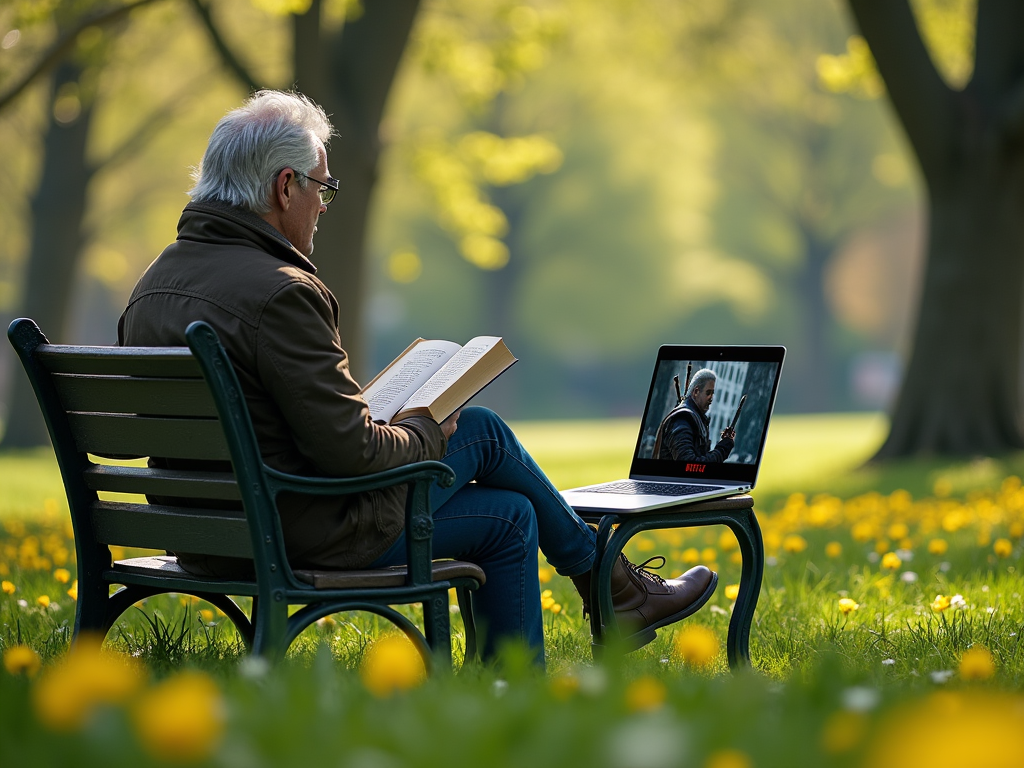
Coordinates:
column 339, row 486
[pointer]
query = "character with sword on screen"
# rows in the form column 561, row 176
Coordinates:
column 684, row 432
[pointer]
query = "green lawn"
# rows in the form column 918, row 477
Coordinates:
column 888, row 632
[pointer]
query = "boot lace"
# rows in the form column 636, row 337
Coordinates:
column 645, row 570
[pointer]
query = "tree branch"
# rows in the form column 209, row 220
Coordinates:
column 1013, row 112
column 228, row 56
column 143, row 132
column 924, row 104
column 60, row 49
column 999, row 48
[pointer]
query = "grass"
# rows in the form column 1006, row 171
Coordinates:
column 827, row 686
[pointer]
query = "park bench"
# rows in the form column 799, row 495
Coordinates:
column 186, row 404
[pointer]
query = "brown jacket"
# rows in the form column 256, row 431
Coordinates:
column 279, row 325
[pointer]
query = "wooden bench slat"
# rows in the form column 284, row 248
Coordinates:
column 128, row 394
column 174, row 362
column 175, row 529
column 124, row 435
column 163, row 482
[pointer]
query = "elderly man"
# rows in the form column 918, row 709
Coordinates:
column 683, row 434
column 241, row 263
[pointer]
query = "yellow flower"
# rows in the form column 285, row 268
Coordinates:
column 843, row 731
column 547, row 599
column 732, row 591
column 73, row 592
column 846, row 605
column 544, row 575
column 898, row 531
column 181, row 719
column 21, row 660
column 8, row 587
column 833, row 549
column 891, row 561
column 691, row 556
column 645, row 694
column 940, row 603
column 63, row 575
column 1003, row 547
column 564, row 686
column 206, row 615
column 977, row 664
column 709, row 554
column 88, row 676
column 43, row 600
column 696, row 645
column 392, row 664
column 794, row 543
column 729, row 758
column 942, row 487
column 952, row 730
column 938, row 546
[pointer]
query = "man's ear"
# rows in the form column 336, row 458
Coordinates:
column 283, row 188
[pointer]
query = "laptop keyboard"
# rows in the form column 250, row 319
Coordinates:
column 647, row 488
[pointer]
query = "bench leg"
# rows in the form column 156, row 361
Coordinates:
column 437, row 628
column 270, row 629
column 748, row 534
column 465, row 596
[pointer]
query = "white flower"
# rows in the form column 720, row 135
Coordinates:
column 874, row 557
column 944, row 566
column 908, row 576
column 906, row 555
column 941, row 676
column 888, row 662
column 957, row 601
column 861, row 698
column 499, row 688
column 719, row 610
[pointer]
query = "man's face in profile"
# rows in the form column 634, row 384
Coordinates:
column 702, row 396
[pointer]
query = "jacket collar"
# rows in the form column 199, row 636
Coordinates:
column 216, row 221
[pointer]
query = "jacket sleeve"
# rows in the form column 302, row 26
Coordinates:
column 301, row 362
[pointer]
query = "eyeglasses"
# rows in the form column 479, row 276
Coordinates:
column 328, row 189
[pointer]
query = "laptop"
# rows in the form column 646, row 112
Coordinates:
column 666, row 468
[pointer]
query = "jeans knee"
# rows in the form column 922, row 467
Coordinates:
column 524, row 517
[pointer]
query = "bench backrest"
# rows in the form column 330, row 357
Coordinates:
column 174, row 403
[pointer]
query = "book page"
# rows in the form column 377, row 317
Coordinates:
column 388, row 392
column 460, row 362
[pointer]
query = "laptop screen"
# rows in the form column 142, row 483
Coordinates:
column 714, row 427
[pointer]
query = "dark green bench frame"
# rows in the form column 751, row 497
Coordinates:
column 180, row 403
column 615, row 530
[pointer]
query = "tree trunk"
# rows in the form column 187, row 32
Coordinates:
column 58, row 208
column 814, row 377
column 350, row 74
column 961, row 391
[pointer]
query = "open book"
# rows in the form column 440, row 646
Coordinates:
column 435, row 378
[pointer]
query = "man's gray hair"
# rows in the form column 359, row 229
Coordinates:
column 700, row 378
column 251, row 145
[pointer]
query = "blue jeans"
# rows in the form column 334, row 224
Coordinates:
column 496, row 514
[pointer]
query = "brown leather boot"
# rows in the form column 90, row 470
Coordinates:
column 644, row 601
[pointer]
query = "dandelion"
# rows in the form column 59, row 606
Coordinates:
column 843, row 731
column 544, row 575
column 645, row 694
column 848, row 606
column 73, row 592
column 732, row 591
column 206, row 615
column 8, row 587
column 729, row 758
column 691, row 556
column 958, row 602
column 938, row 546
column 940, row 603
column 21, row 660
column 977, row 663
column 181, row 719
column 696, row 645
column 833, row 549
column 43, row 600
column 1003, row 547
column 327, row 622
column 62, row 575
column 392, row 664
column 69, row 692
column 891, row 561
column 794, row 544
column 898, row 531
column 564, row 686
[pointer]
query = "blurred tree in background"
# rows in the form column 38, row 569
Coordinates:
column 955, row 78
column 588, row 180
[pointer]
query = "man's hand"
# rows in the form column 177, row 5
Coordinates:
column 449, row 425
column 729, row 433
